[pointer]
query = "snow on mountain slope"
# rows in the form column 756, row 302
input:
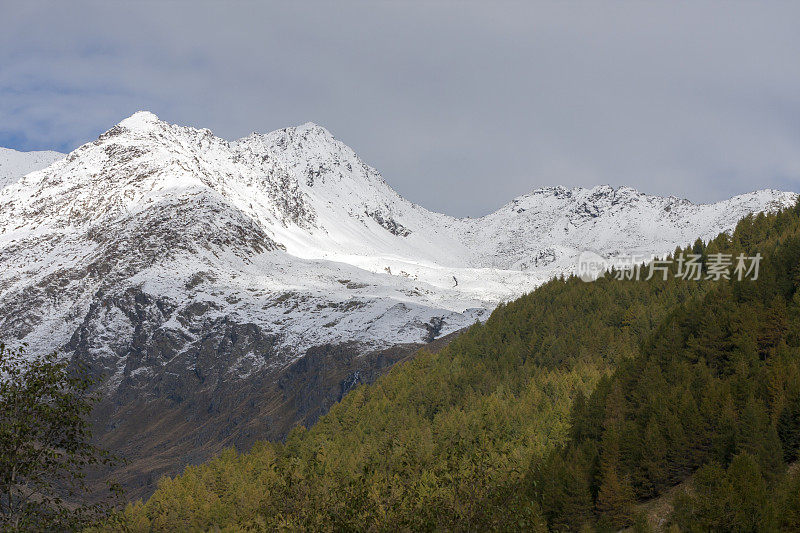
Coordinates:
column 548, row 228
column 292, row 232
column 14, row 164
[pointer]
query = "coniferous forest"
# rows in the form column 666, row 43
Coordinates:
column 573, row 408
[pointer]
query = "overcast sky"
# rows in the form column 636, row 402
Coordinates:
column 461, row 106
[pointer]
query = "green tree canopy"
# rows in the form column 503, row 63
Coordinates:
column 45, row 444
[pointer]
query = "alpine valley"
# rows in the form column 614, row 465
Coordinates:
column 231, row 290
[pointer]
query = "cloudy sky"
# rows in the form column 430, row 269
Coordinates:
column 461, row 106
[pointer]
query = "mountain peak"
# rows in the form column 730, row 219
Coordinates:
column 311, row 127
column 140, row 120
column 307, row 130
column 286, row 138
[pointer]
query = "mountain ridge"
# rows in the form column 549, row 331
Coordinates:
column 14, row 163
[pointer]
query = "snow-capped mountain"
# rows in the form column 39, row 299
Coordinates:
column 291, row 230
column 185, row 266
column 14, row 164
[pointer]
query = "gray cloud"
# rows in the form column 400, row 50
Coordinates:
column 461, row 106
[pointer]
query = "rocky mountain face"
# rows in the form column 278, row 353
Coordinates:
column 230, row 290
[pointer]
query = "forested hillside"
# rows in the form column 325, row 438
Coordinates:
column 561, row 411
column 716, row 386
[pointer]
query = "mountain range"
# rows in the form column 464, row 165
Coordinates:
column 229, row 290
column 14, row 164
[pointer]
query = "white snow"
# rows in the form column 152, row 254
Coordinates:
column 14, row 164
column 292, row 231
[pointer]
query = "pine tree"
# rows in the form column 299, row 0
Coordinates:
column 616, row 499
column 788, row 429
